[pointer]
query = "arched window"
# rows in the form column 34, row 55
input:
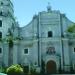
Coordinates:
column 0, row 35
column 50, row 34
column 0, row 23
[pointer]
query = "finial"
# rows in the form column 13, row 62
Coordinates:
column 48, row 7
column 48, row 3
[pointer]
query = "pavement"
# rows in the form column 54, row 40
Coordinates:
column 2, row 74
column 62, row 74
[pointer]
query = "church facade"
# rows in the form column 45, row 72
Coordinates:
column 44, row 42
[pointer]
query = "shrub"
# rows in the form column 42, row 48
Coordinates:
column 14, row 70
column 33, row 71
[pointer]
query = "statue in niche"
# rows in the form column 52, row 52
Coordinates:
column 50, row 50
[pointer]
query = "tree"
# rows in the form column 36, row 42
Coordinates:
column 71, row 29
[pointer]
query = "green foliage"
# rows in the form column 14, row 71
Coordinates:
column 0, row 39
column 71, row 28
column 10, row 41
column 33, row 71
column 3, row 69
column 26, row 69
column 14, row 69
column 10, row 38
column 42, row 66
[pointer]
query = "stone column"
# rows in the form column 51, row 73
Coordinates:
column 15, row 55
column 5, row 55
column 66, row 55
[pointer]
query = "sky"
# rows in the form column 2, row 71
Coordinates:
column 25, row 9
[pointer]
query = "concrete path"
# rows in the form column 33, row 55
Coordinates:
column 2, row 74
column 62, row 74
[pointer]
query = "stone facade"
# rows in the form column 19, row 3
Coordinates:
column 44, row 39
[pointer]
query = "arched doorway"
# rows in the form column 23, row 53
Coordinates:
column 51, row 67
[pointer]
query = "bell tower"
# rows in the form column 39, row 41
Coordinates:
column 6, row 17
column 49, row 7
column 7, row 22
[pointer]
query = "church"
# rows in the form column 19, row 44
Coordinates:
column 44, row 43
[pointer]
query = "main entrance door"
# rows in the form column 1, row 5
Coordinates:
column 51, row 67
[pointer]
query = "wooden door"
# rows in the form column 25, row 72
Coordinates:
column 51, row 67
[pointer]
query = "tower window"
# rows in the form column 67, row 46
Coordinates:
column 1, row 13
column 0, row 50
column 26, row 51
column 74, row 49
column 0, row 23
column 1, row 3
column 0, row 35
column 50, row 34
